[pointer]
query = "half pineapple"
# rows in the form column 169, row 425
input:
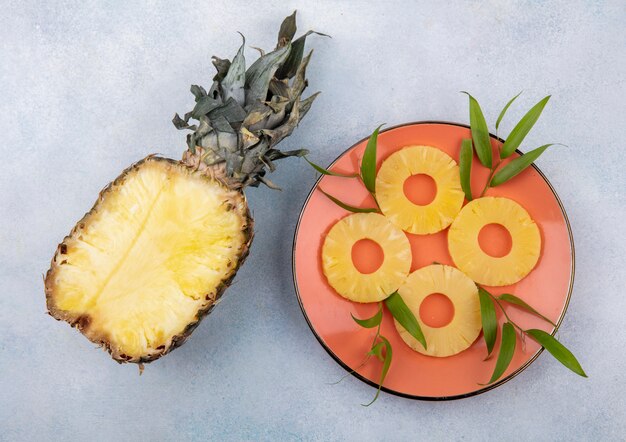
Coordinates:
column 467, row 254
column 165, row 239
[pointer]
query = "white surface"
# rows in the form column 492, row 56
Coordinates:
column 86, row 88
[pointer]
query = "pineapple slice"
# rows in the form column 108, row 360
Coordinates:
column 340, row 270
column 465, row 325
column 481, row 267
column 150, row 259
column 410, row 217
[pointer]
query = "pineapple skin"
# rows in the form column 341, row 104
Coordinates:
column 82, row 322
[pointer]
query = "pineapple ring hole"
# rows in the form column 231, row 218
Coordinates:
column 367, row 255
column 495, row 240
column 420, row 189
column 436, row 310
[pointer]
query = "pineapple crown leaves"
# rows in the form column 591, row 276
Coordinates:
column 246, row 113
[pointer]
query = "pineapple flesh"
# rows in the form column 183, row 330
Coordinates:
column 410, row 217
column 151, row 257
column 473, row 261
column 340, row 270
column 465, row 326
column 165, row 239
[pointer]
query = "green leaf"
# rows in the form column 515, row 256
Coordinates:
column 299, row 81
column 179, row 123
column 231, row 110
column 512, row 299
column 507, row 349
column 305, row 105
column 368, row 162
column 203, row 106
column 385, row 370
column 480, row 132
column 558, row 350
column 505, row 109
column 198, row 91
column 222, row 66
column 290, row 66
column 522, row 128
column 465, row 165
column 488, row 318
column 275, row 154
column 287, row 30
column 403, row 314
column 348, row 207
column 517, row 165
column 258, row 75
column 372, row 322
column 377, row 350
column 235, row 80
column 323, row 171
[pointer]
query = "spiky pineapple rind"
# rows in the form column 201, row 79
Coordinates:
column 83, row 321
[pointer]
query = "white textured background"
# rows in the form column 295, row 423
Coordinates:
column 87, row 88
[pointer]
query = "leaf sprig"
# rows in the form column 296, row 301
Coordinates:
column 381, row 347
column 488, row 303
column 367, row 175
column 481, row 143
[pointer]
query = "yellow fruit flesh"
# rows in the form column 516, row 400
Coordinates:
column 465, row 326
column 339, row 268
column 474, row 262
column 413, row 218
column 149, row 257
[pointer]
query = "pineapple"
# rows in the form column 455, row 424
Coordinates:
column 151, row 257
column 465, row 325
column 165, row 239
column 481, row 267
column 340, row 270
column 410, row 217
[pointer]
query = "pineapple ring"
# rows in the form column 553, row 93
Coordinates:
column 481, row 267
column 341, row 272
column 465, row 326
column 410, row 217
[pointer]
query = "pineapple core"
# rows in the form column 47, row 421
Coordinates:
column 152, row 255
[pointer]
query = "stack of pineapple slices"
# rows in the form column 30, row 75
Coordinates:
column 446, row 209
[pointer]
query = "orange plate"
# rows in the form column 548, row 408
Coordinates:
column 547, row 287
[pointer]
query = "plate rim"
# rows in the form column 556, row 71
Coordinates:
column 400, row 393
